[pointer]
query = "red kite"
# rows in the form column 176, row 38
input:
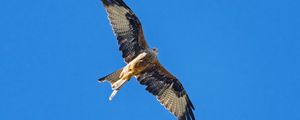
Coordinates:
column 143, row 64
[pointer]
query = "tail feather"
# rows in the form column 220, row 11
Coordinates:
column 115, row 81
column 112, row 78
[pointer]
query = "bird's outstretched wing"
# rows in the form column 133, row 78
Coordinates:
column 168, row 90
column 127, row 28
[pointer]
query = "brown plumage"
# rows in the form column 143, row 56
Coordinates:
column 168, row 91
column 142, row 62
column 127, row 28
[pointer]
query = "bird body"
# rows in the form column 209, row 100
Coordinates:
column 133, row 68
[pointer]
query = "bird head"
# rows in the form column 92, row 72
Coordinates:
column 155, row 50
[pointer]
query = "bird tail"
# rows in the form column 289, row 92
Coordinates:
column 115, row 81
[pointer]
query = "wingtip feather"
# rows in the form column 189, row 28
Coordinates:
column 105, row 2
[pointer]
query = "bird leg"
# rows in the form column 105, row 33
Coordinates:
column 127, row 72
column 132, row 67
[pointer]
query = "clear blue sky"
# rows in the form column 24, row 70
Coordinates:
column 238, row 59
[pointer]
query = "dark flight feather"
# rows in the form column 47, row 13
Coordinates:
column 168, row 90
column 127, row 28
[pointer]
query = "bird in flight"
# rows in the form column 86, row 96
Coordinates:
column 142, row 63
